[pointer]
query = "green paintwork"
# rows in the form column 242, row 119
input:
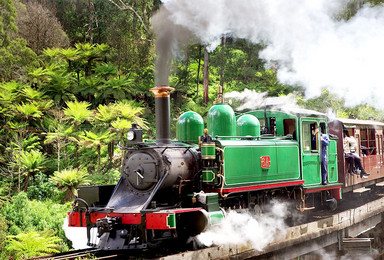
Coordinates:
column 291, row 159
column 332, row 160
column 311, row 159
column 208, row 175
column 212, row 201
column 216, row 217
column 171, row 221
column 248, row 125
column 208, row 151
column 221, row 120
column 242, row 164
column 190, row 126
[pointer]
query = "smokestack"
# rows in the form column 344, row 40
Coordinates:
column 163, row 114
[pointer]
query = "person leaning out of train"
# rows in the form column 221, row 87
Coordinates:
column 324, row 143
column 349, row 143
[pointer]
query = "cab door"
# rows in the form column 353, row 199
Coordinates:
column 332, row 160
column 310, row 151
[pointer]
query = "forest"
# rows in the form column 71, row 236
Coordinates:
column 74, row 76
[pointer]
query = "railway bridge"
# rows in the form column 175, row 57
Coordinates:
column 339, row 232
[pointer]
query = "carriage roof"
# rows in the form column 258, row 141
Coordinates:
column 356, row 122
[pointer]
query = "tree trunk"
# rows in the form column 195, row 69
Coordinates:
column 223, row 56
column 91, row 9
column 198, row 73
column 206, row 75
column 58, row 155
column 98, row 157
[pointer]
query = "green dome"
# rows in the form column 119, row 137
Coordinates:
column 221, row 120
column 189, row 127
column 248, row 125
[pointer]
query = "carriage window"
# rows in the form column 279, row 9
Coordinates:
column 310, row 140
column 368, row 142
column 290, row 127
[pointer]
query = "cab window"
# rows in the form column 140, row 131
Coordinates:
column 290, row 127
column 310, row 139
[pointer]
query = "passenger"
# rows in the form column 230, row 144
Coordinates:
column 347, row 153
column 324, row 164
column 324, row 143
column 351, row 142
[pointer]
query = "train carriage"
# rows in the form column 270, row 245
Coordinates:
column 369, row 137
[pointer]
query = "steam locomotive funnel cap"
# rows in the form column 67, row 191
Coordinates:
column 163, row 114
column 162, row 91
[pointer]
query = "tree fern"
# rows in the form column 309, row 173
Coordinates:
column 69, row 179
column 78, row 111
column 33, row 243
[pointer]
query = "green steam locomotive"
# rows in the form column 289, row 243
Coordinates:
column 174, row 189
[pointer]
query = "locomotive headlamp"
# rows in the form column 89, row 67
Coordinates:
column 134, row 135
column 130, row 135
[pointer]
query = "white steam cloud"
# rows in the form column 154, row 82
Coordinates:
column 241, row 228
column 250, row 100
column 310, row 47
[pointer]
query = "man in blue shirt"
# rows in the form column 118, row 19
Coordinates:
column 324, row 164
column 324, row 143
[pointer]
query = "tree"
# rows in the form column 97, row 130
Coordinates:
column 40, row 27
column 78, row 113
column 32, row 162
column 68, row 180
column 61, row 135
column 16, row 59
column 206, row 75
column 7, row 21
column 91, row 139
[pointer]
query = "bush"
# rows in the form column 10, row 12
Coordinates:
column 42, row 189
column 27, row 215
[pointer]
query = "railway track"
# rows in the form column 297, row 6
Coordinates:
column 78, row 255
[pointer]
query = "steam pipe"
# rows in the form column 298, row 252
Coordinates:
column 163, row 114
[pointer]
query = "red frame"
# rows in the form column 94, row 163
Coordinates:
column 262, row 186
column 335, row 190
column 126, row 218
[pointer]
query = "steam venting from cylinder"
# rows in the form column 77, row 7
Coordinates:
column 163, row 114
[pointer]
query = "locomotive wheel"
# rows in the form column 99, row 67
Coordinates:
column 331, row 204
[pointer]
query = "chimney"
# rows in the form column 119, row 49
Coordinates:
column 163, row 114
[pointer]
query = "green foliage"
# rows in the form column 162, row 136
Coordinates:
column 111, row 177
column 16, row 59
column 32, row 161
column 325, row 102
column 28, row 110
column 26, row 215
column 69, row 179
column 124, row 109
column 26, row 245
column 78, row 112
column 7, row 21
column 40, row 188
column 3, row 234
